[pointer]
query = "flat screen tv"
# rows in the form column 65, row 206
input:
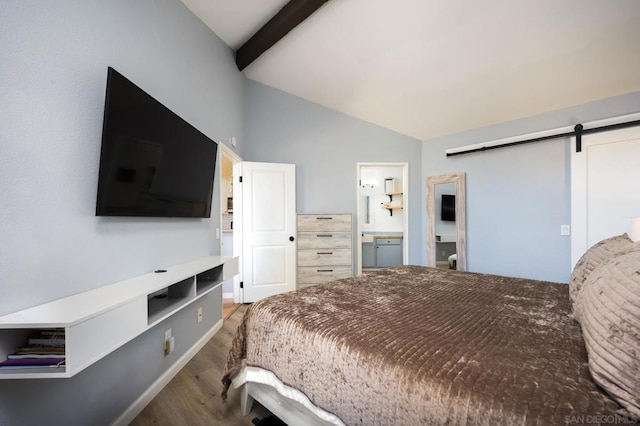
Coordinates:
column 448, row 210
column 152, row 162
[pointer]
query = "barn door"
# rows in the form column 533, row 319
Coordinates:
column 605, row 178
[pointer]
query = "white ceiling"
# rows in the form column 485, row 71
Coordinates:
column 427, row 68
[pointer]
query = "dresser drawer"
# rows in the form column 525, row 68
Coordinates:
column 324, row 248
column 324, row 222
column 318, row 240
column 324, row 257
column 320, row 275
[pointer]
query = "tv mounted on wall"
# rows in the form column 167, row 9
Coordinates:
column 448, row 209
column 152, row 163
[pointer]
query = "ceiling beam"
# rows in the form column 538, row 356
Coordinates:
column 289, row 17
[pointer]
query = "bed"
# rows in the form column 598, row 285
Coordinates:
column 417, row 345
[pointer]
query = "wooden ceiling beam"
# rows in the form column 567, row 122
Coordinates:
column 289, row 17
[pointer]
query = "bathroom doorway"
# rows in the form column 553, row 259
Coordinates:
column 382, row 203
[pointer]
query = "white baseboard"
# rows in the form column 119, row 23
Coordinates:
column 147, row 396
column 227, row 295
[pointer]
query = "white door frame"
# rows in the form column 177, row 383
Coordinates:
column 237, row 243
column 405, row 210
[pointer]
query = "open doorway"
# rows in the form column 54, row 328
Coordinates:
column 382, row 202
column 228, row 159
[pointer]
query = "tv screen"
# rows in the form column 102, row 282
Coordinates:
column 152, row 162
column 448, row 210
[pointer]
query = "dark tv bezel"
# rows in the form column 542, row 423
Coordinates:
column 448, row 210
column 102, row 206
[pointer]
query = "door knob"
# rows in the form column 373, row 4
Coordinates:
column 291, row 238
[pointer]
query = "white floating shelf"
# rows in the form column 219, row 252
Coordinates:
column 99, row 321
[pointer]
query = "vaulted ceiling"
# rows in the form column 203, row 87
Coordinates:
column 427, row 68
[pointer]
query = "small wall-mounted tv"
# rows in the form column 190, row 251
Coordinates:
column 152, row 162
column 448, row 209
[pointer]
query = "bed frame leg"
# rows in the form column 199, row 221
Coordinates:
column 246, row 400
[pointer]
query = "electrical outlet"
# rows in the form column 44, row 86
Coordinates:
column 199, row 315
column 565, row 230
column 168, row 342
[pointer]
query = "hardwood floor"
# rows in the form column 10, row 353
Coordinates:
column 193, row 396
column 228, row 307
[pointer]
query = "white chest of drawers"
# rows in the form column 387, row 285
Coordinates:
column 324, row 248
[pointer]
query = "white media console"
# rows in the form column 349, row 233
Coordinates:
column 99, row 321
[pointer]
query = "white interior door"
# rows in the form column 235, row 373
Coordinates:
column 266, row 207
column 605, row 178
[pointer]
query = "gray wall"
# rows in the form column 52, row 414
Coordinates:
column 54, row 60
column 325, row 146
column 518, row 197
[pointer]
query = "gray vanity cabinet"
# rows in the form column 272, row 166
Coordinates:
column 368, row 255
column 388, row 252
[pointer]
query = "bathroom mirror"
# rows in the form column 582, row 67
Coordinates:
column 446, row 218
column 365, row 220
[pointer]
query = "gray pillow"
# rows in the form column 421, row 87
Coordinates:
column 597, row 255
column 610, row 319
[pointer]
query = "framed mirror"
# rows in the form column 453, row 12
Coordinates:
column 446, row 219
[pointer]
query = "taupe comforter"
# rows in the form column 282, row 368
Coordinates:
column 414, row 345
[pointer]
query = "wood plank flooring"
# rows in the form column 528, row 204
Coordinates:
column 228, row 307
column 193, row 396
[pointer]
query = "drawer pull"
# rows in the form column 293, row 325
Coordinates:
column 324, row 270
column 324, row 235
column 325, row 252
column 324, row 218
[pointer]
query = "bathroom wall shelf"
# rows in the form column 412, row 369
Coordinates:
column 390, row 206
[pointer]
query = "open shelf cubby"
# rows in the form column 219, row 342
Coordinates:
column 207, row 280
column 163, row 303
column 99, row 321
column 12, row 340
